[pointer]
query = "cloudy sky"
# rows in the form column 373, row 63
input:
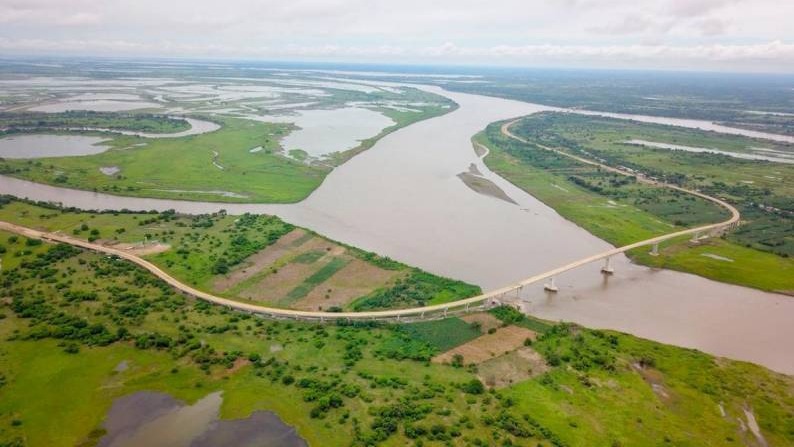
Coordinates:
column 737, row 35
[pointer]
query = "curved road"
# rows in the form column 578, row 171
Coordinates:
column 485, row 299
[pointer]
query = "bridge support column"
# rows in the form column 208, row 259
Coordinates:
column 655, row 250
column 467, row 307
column 445, row 311
column 550, row 286
column 695, row 238
column 607, row 268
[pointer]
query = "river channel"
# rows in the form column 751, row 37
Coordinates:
column 403, row 198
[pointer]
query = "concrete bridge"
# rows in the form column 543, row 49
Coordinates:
column 492, row 298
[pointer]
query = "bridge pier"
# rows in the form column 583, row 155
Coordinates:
column 607, row 268
column 655, row 250
column 695, row 238
column 550, row 286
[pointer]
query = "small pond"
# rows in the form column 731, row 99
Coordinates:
column 40, row 146
column 154, row 419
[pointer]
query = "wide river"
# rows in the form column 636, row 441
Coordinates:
column 402, row 198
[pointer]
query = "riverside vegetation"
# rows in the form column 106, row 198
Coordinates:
column 26, row 122
column 68, row 318
column 620, row 210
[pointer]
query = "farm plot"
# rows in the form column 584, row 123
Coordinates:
column 305, row 271
column 488, row 346
column 511, row 368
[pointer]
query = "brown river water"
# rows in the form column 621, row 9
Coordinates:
column 403, row 199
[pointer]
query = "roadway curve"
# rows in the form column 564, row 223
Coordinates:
column 486, row 299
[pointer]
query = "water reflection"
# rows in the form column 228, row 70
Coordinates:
column 157, row 420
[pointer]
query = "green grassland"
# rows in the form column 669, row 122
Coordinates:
column 165, row 167
column 38, row 121
column 202, row 248
column 621, row 211
column 69, row 317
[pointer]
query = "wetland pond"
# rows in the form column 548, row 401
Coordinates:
column 64, row 145
column 158, row 420
column 40, row 146
column 323, row 132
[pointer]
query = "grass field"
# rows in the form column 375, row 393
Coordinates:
column 622, row 213
column 442, row 334
column 183, row 167
column 57, row 381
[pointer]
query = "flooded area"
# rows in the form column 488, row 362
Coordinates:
column 780, row 157
column 158, row 420
column 403, row 198
column 322, row 132
column 40, row 146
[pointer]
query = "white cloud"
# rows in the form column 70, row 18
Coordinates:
column 734, row 34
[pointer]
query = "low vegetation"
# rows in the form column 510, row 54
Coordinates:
column 71, row 317
column 18, row 122
column 187, row 167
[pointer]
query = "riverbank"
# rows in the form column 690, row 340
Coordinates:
column 622, row 214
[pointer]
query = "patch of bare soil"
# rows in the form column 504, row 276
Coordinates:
column 486, row 321
column 752, row 425
column 356, row 279
column 511, row 368
column 488, row 346
column 236, row 366
column 655, row 379
column 142, row 249
column 480, row 150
